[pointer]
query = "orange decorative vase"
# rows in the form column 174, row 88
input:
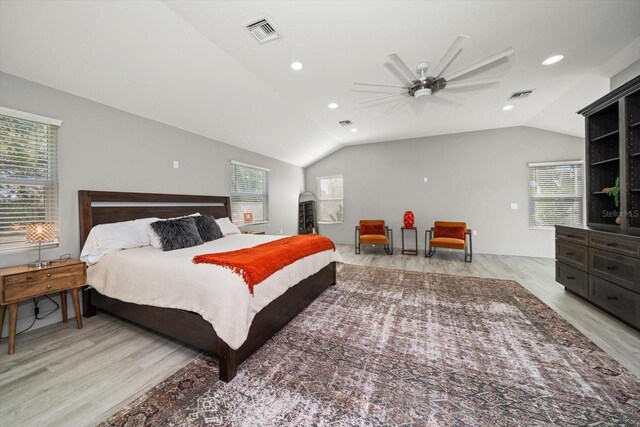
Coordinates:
column 409, row 219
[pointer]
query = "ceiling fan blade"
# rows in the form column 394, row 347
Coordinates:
column 378, row 85
column 393, row 70
column 438, row 99
column 449, row 96
column 482, row 63
column 449, row 55
column 395, row 106
column 381, row 98
column 465, row 83
column 406, row 71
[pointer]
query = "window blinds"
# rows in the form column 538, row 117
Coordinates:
column 249, row 192
column 28, row 177
column 555, row 194
column 330, row 199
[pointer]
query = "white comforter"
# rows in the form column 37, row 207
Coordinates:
column 169, row 279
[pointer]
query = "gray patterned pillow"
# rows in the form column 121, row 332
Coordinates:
column 177, row 233
column 208, row 228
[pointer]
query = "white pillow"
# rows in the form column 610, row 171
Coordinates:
column 106, row 238
column 154, row 239
column 227, row 227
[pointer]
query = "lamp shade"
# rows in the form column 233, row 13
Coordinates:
column 248, row 217
column 39, row 232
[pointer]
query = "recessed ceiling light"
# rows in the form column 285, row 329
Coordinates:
column 553, row 59
column 507, row 107
column 297, row 66
column 333, row 105
column 354, row 130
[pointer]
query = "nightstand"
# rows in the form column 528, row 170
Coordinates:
column 22, row 282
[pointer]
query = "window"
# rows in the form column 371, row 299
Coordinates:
column 249, row 193
column 555, row 194
column 28, row 174
column 330, row 199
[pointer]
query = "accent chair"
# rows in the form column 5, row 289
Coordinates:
column 374, row 232
column 449, row 235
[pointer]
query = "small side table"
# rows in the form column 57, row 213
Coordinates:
column 410, row 251
column 23, row 282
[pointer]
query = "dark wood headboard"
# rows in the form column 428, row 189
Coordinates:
column 103, row 207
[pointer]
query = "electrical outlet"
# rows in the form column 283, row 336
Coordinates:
column 514, row 206
column 176, row 164
column 474, row 232
column 281, row 231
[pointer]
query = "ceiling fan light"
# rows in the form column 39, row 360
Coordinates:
column 297, row 66
column 507, row 107
column 422, row 92
column 333, row 105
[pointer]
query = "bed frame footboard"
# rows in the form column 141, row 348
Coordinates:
column 192, row 329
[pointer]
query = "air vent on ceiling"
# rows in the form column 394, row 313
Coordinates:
column 262, row 30
column 520, row 95
column 345, row 123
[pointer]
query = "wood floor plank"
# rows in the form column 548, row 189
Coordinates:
column 60, row 375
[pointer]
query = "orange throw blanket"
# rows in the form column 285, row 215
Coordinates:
column 259, row 262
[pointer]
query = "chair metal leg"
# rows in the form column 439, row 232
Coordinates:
column 431, row 252
column 388, row 248
column 357, row 243
column 468, row 249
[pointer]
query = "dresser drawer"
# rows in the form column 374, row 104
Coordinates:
column 39, row 282
column 621, row 270
column 571, row 235
column 614, row 243
column 620, row 302
column 573, row 279
column 572, row 254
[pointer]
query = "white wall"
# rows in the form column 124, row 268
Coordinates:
column 101, row 148
column 625, row 75
column 472, row 177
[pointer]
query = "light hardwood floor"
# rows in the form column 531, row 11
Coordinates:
column 64, row 376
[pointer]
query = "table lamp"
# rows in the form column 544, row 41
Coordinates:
column 40, row 232
column 248, row 217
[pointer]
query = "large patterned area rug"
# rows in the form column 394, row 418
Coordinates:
column 391, row 347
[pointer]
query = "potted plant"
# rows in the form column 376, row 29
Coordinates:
column 615, row 193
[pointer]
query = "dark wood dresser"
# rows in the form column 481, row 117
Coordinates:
column 602, row 267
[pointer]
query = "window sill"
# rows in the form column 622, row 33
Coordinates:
column 244, row 224
column 22, row 246
column 329, row 223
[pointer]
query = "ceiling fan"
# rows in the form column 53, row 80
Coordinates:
column 425, row 82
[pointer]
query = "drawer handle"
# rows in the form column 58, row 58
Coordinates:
column 612, row 244
column 571, row 253
column 570, row 236
column 612, row 298
column 48, row 286
column 571, row 278
column 48, row 274
column 612, row 267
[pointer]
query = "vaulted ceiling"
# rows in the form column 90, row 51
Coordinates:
column 193, row 65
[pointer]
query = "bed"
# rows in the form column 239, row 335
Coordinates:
column 101, row 207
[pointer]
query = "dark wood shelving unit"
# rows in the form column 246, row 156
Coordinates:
column 632, row 109
column 612, row 144
column 604, row 162
column 307, row 217
column 601, row 262
column 606, row 135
